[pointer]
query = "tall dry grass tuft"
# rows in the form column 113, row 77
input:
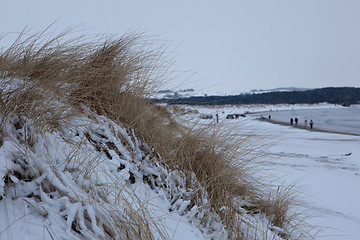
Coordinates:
column 113, row 76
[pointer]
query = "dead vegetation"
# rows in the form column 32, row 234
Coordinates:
column 113, row 76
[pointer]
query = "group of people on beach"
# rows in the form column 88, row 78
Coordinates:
column 305, row 122
column 296, row 120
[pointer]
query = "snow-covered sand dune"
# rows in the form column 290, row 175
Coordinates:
column 92, row 179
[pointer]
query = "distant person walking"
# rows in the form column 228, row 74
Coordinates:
column 269, row 117
column 291, row 121
column 305, row 123
column 296, row 120
column 311, row 124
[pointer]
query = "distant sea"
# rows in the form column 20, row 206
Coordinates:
column 345, row 120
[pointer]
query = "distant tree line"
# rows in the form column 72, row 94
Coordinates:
column 338, row 95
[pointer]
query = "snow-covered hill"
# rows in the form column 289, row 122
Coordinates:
column 191, row 92
column 87, row 179
column 181, row 93
column 283, row 89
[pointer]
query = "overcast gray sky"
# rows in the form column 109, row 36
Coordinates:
column 232, row 46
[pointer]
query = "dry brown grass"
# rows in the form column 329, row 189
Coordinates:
column 113, row 77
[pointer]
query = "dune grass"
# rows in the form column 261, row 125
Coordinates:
column 113, row 77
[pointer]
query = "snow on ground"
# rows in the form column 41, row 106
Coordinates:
column 326, row 169
column 324, row 166
column 85, row 178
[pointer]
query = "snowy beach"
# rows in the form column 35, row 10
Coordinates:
column 325, row 167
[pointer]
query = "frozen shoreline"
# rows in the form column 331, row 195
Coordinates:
column 343, row 120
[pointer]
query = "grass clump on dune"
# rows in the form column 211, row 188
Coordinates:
column 113, row 77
